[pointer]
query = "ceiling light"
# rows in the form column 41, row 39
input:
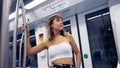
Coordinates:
column 12, row 15
column 28, row 6
column 33, row 4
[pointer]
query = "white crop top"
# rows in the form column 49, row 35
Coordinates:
column 61, row 50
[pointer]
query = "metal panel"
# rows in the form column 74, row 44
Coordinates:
column 4, row 34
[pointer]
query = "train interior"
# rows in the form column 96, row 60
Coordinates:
column 94, row 25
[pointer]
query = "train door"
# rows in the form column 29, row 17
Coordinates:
column 100, row 38
column 70, row 26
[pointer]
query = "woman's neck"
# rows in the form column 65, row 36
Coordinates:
column 56, row 33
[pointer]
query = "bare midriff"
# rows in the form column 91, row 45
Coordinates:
column 63, row 61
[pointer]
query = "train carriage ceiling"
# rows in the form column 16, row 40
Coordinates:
column 13, row 5
column 34, row 14
column 78, row 8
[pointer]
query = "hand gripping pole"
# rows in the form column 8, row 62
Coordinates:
column 20, row 5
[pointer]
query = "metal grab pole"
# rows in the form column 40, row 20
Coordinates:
column 24, row 21
column 20, row 49
column 18, row 5
column 15, row 34
column 4, row 33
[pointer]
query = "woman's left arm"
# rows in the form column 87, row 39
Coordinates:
column 76, row 51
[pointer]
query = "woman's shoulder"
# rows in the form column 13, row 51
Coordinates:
column 68, row 35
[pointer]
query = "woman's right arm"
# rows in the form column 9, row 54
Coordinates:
column 35, row 49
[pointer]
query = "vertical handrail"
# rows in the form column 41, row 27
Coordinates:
column 19, row 4
column 4, row 33
column 20, row 49
column 24, row 21
column 15, row 34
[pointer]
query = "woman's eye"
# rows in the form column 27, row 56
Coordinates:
column 57, row 20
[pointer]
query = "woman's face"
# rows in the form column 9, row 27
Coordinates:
column 57, row 24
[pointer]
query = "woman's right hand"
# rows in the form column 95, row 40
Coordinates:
column 25, row 28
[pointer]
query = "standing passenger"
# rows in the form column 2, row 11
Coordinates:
column 60, row 45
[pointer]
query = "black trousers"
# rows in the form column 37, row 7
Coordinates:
column 62, row 66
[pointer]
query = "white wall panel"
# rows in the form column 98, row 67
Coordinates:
column 84, row 41
column 42, row 56
column 115, row 18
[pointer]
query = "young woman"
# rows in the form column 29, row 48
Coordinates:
column 60, row 44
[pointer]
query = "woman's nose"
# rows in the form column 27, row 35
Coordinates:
column 61, row 23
